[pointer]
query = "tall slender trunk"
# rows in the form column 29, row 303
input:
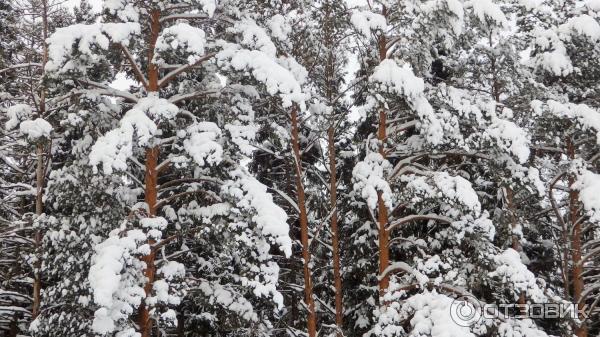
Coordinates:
column 335, row 239
column 577, row 271
column 145, row 322
column 382, row 211
column 37, row 239
column 335, row 243
column 39, row 176
column 308, row 287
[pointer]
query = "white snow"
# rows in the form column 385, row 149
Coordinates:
column 369, row 178
column 264, row 68
column 553, row 57
column 279, row 27
column 509, row 137
column 390, row 77
column 123, row 9
column 255, row 37
column 512, row 271
column 16, row 114
column 366, row 22
column 84, row 38
column 588, row 185
column 114, row 148
column 117, row 291
column 487, row 10
column 586, row 116
column 400, row 80
column 190, row 39
column 35, row 129
column 269, row 218
column 584, row 25
column 593, row 5
column 203, row 145
column 172, row 269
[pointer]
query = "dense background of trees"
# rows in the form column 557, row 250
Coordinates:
column 297, row 168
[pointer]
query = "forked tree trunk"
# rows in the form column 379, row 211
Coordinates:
column 308, row 287
column 145, row 322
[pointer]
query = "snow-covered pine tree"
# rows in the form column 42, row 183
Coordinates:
column 563, row 37
column 26, row 147
column 330, row 112
column 199, row 243
column 420, row 179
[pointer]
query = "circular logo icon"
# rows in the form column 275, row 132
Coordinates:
column 465, row 311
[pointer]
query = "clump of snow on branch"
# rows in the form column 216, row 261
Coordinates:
column 203, row 144
column 85, row 38
column 453, row 189
column 583, row 25
column 426, row 314
column 16, row 114
column 454, row 7
column 123, row 9
column 279, row 27
column 265, row 69
column 519, row 328
column 456, row 200
column 243, row 130
column 588, row 185
column 19, row 115
column 208, row 6
column 369, row 177
column 252, row 196
column 402, row 81
column 583, row 114
column 191, row 40
column 366, row 22
column 554, row 56
column 154, row 226
column 512, row 271
column 510, row 138
column 114, row 148
column 254, row 37
column 116, row 287
column 226, row 297
column 34, row 129
column 488, row 11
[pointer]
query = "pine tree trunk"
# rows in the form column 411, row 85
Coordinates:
column 382, row 215
column 577, row 271
column 39, row 178
column 335, row 244
column 39, row 209
column 150, row 180
column 308, row 288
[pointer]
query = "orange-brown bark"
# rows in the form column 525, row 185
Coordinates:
column 382, row 212
column 145, row 322
column 308, row 287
